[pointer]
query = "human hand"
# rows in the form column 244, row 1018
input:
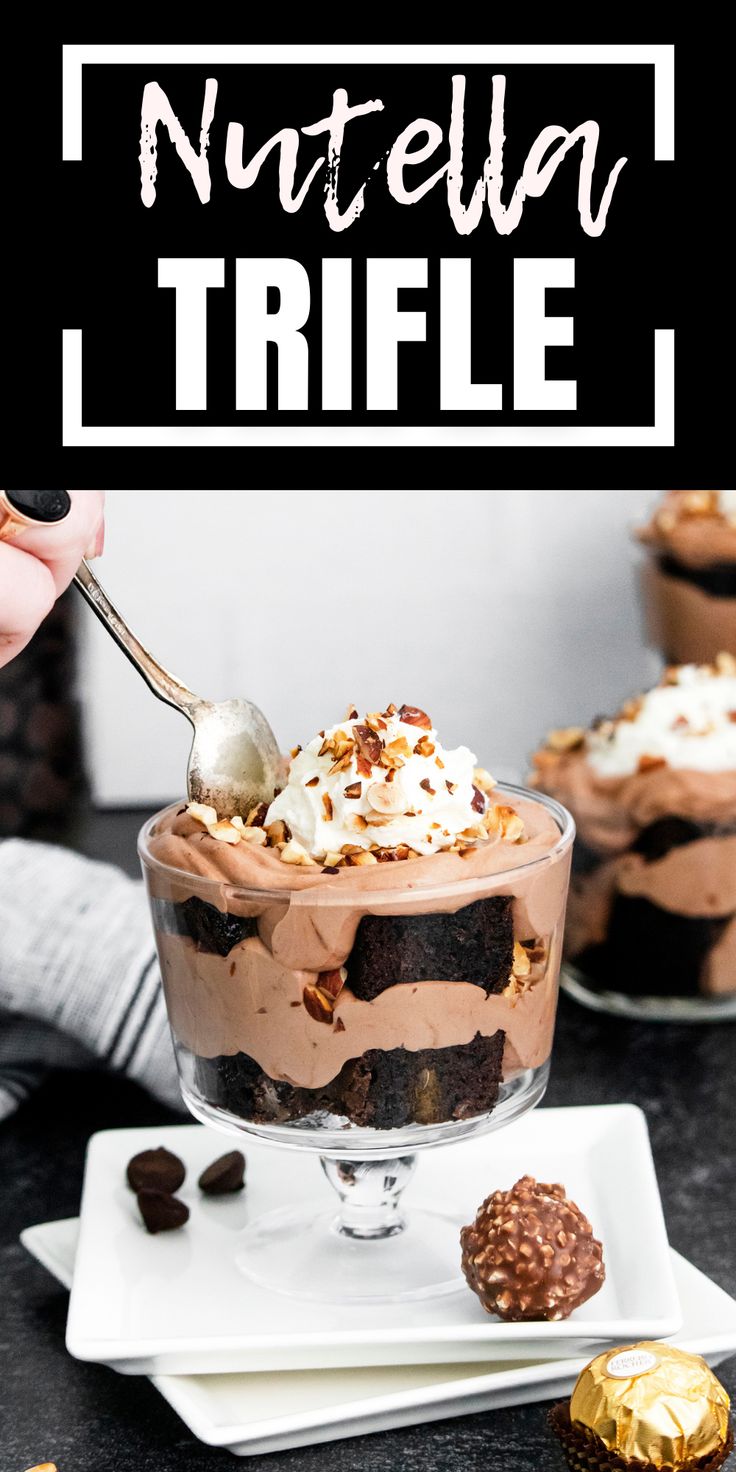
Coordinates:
column 39, row 562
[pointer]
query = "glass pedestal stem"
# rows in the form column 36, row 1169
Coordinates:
column 370, row 1195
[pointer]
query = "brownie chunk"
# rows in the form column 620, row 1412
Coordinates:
column 385, row 1090
column 213, row 930
column 650, row 951
column 659, row 838
column 718, row 578
column 239, row 1085
column 585, row 860
column 379, row 1090
column 475, row 944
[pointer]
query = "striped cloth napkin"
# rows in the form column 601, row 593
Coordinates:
column 79, row 979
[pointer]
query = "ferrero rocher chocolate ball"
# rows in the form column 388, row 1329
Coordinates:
column 644, row 1407
column 531, row 1253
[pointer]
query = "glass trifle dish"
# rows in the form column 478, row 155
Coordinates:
column 365, row 967
column 651, row 920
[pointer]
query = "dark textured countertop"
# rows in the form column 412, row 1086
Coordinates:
column 89, row 1419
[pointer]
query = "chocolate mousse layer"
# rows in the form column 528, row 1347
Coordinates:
column 386, row 994
column 690, row 613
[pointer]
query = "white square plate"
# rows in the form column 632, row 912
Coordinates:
column 256, row 1413
column 177, row 1303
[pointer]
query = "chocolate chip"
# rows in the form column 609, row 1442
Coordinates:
column 156, row 1170
column 160, row 1211
column 223, row 1175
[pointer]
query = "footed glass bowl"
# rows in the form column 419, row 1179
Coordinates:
column 365, row 1019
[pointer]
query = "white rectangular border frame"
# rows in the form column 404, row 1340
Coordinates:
column 661, row 433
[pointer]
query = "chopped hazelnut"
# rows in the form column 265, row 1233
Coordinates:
column 354, row 790
column 565, row 738
column 254, row 836
column 521, row 965
column 386, row 797
column 332, row 982
column 248, row 835
column 650, row 763
column 224, row 832
column 202, row 813
column 278, row 832
column 699, row 503
column 424, row 747
column 256, row 816
column 318, row 1004
column 412, row 716
column 369, row 744
column 342, row 762
column 426, row 784
column 483, row 779
column 504, row 820
column 396, row 753
column 293, row 853
column 327, row 805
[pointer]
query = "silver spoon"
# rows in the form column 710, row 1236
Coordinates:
column 234, row 763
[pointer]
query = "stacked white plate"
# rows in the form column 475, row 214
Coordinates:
column 257, row 1371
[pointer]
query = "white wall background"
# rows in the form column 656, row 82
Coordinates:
column 500, row 612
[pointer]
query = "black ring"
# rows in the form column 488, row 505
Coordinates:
column 43, row 506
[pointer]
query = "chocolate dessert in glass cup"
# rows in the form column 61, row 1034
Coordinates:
column 689, row 575
column 366, row 967
column 651, row 915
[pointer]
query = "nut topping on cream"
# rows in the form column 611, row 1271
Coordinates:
column 687, row 722
column 372, row 790
column 373, row 783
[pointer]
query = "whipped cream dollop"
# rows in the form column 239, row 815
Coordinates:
column 381, row 780
column 689, row 722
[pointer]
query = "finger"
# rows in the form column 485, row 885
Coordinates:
column 27, row 594
column 62, row 545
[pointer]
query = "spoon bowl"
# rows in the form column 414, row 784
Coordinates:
column 235, row 762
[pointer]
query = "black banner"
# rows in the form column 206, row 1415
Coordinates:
column 458, row 268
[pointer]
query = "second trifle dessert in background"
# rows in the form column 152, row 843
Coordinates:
column 689, row 578
column 380, row 946
column 652, row 905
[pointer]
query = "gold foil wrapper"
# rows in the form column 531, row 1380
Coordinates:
column 652, row 1403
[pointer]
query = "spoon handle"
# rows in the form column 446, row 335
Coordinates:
column 163, row 684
